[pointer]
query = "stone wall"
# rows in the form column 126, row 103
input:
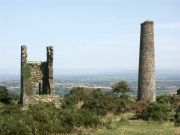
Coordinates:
column 146, row 78
column 36, row 73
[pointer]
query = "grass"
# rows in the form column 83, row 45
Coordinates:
column 139, row 127
column 127, row 125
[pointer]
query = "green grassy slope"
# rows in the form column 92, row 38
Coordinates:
column 126, row 124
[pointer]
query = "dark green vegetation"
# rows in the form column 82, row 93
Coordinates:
column 177, row 116
column 155, row 111
column 3, row 94
column 6, row 97
column 44, row 118
column 91, row 110
column 121, row 88
column 27, row 71
column 97, row 101
column 178, row 91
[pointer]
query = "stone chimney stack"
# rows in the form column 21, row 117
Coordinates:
column 23, row 61
column 146, row 77
column 50, row 55
column 23, row 54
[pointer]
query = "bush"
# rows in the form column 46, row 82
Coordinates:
column 6, row 97
column 155, row 111
column 167, row 99
column 10, row 109
column 70, row 100
column 177, row 116
column 4, row 94
column 95, row 100
column 102, row 103
column 178, row 91
column 164, row 99
column 44, row 118
column 1, row 106
column 14, row 124
column 75, row 95
column 138, row 107
column 80, row 92
column 87, row 118
column 13, row 121
column 12, row 96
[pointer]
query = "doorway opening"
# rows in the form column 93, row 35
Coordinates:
column 37, row 88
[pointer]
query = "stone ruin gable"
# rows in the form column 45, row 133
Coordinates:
column 146, row 78
column 36, row 73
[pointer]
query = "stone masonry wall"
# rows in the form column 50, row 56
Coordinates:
column 33, row 73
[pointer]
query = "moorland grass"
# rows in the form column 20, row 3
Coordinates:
column 126, row 124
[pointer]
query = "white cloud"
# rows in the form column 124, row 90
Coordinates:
column 175, row 25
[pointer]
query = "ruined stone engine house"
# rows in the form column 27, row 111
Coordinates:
column 36, row 74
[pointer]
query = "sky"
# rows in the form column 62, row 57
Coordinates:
column 89, row 36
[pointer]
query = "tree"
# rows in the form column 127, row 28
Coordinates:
column 178, row 91
column 121, row 87
column 3, row 94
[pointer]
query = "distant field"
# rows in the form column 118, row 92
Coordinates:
column 165, row 83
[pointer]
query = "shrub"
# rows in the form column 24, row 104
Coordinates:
column 96, row 100
column 102, row 103
column 176, row 101
column 70, row 100
column 167, row 99
column 1, row 106
column 14, row 124
column 155, row 111
column 80, row 92
column 70, row 118
column 42, row 112
column 10, row 109
column 178, row 91
column 13, row 121
column 75, row 95
column 177, row 116
column 45, row 118
column 6, row 97
column 138, row 107
column 4, row 94
column 13, row 96
column 87, row 118
column 164, row 99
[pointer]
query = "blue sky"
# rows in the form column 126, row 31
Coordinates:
column 88, row 35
